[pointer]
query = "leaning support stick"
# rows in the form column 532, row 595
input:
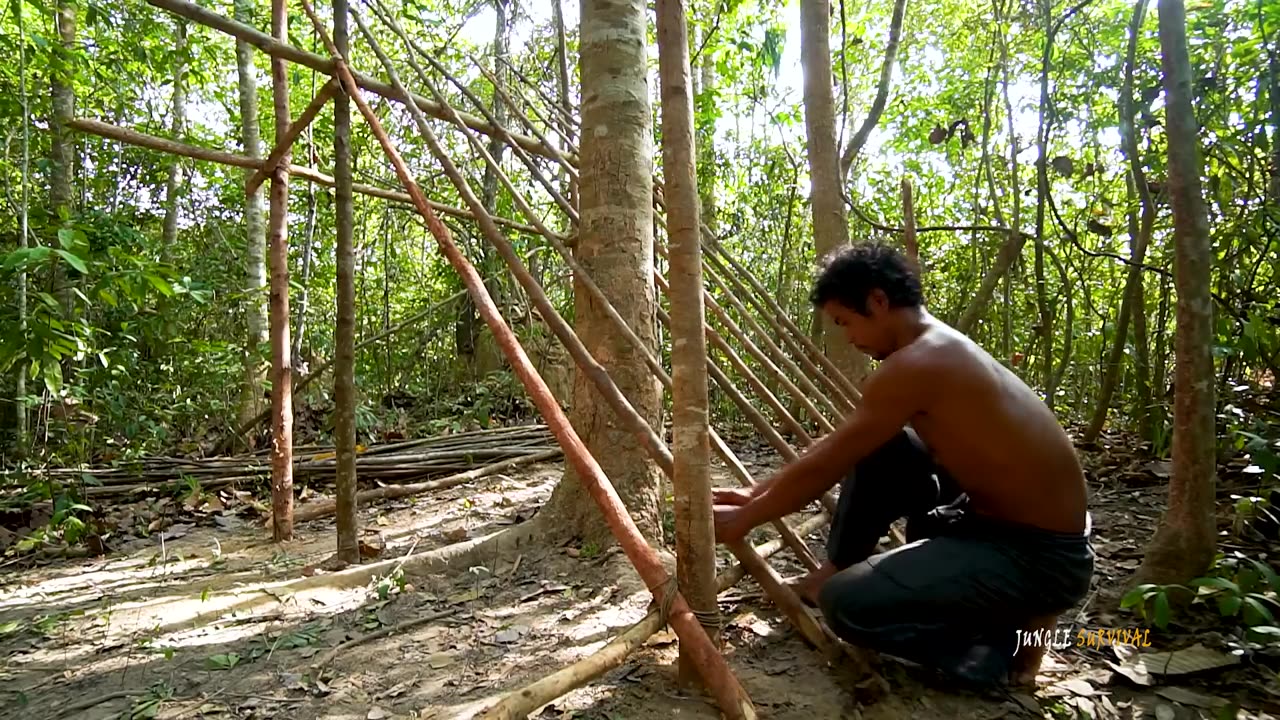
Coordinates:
column 729, row 694
column 526, row 700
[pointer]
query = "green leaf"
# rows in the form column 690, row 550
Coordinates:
column 1255, row 613
column 53, row 377
column 74, row 261
column 160, row 284
column 1216, row 582
column 1162, row 610
column 1135, row 596
column 1229, row 605
column 70, row 238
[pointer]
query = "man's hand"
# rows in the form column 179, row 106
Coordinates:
column 729, row 522
column 734, row 496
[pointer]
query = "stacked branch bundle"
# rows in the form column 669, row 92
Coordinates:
column 391, row 463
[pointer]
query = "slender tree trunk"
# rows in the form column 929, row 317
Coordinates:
column 344, row 382
column 1273, row 73
column 1012, row 246
column 1045, row 324
column 1139, row 232
column 562, row 80
column 1141, row 348
column 1186, row 540
column 830, row 229
column 615, row 246
column 255, row 229
column 706, row 145
column 691, row 451
column 859, row 138
column 308, row 244
column 62, row 147
column 173, row 184
column 21, row 428
column 281, row 355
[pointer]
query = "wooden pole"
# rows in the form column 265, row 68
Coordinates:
column 278, row 318
column 729, row 694
column 691, row 481
column 525, row 701
column 152, row 142
column 344, row 386
column 295, row 129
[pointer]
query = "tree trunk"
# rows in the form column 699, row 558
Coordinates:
column 1185, row 542
column 615, row 246
column 691, row 452
column 308, row 253
column 1139, row 232
column 20, row 425
column 830, row 230
column 562, row 81
column 255, row 230
column 1011, row 248
column 1273, row 70
column 1045, row 324
column 344, row 382
column 173, row 183
column 62, row 146
column 705, row 143
column 882, row 91
column 281, row 351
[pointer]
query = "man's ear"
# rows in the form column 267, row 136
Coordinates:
column 877, row 299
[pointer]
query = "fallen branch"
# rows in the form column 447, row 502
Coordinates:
column 74, row 708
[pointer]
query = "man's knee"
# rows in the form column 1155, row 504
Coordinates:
column 858, row 598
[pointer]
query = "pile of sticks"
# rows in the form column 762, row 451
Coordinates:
column 387, row 464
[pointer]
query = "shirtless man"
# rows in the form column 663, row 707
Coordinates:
column 953, row 441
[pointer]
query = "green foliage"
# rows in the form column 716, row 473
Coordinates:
column 1242, row 591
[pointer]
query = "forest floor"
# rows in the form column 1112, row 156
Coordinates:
column 198, row 621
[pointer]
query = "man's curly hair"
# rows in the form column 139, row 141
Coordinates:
column 850, row 274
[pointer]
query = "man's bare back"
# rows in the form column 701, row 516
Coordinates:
column 993, row 434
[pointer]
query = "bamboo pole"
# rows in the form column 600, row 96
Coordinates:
column 152, row 142
column 283, row 147
column 729, row 694
column 525, row 701
column 285, row 51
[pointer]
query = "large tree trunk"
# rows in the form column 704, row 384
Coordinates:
column 62, row 147
column 830, row 230
column 255, row 230
column 1185, row 542
column 695, row 532
column 281, row 352
column 1139, row 232
column 344, row 366
column 615, row 246
column 173, row 184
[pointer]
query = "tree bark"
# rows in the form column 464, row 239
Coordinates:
column 255, row 229
column 691, row 451
column 1185, row 542
column 281, row 351
column 20, row 425
column 830, row 229
column 1139, row 233
column 62, row 147
column 172, row 187
column 615, row 246
column 1045, row 324
column 344, row 386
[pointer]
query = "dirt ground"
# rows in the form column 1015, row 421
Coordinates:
column 198, row 621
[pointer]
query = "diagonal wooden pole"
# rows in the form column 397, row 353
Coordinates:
column 720, row 680
column 296, row 127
